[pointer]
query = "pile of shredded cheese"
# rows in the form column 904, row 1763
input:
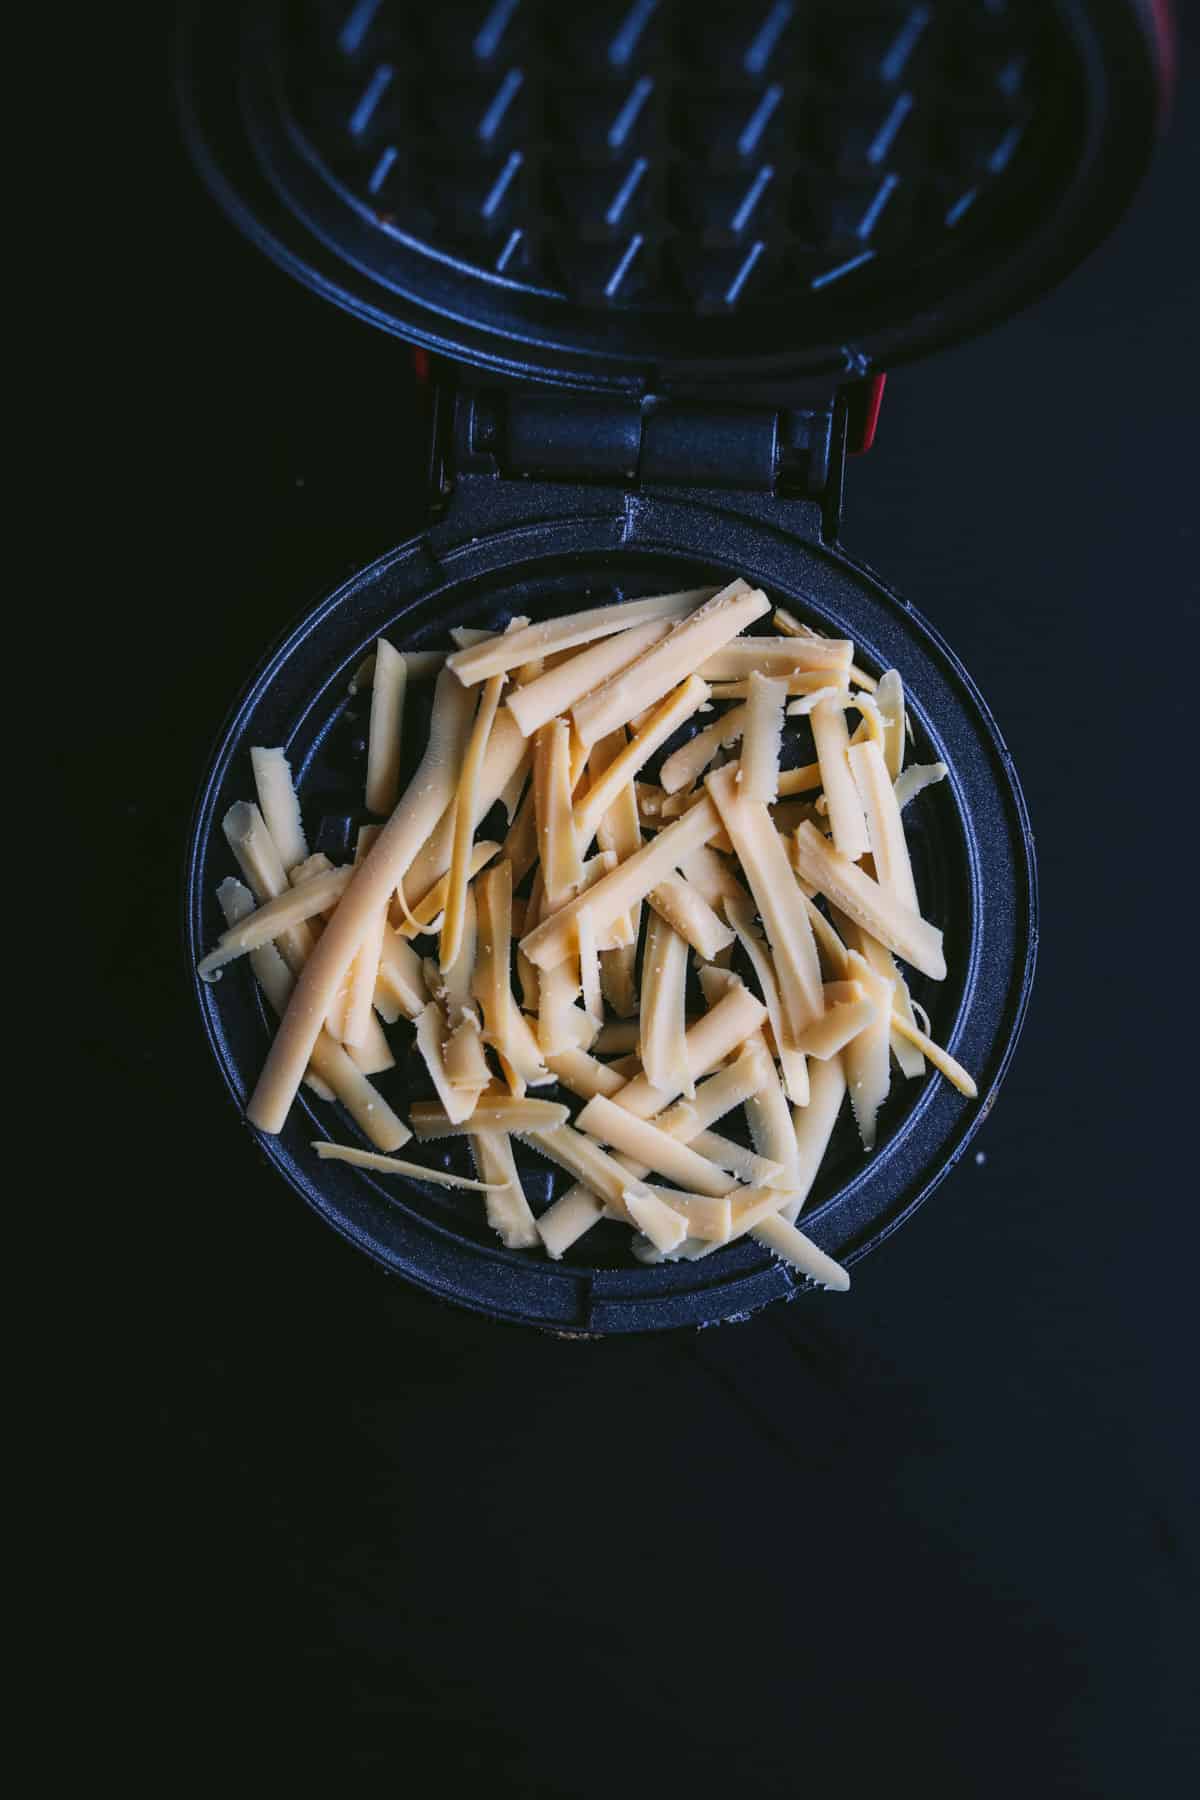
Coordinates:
column 558, row 956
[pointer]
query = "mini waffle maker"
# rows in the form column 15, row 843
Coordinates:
column 653, row 258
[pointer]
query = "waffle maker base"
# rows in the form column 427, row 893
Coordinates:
column 972, row 850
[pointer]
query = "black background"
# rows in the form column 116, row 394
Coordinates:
column 939, row 1531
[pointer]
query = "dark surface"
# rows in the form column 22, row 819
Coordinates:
column 940, row 1531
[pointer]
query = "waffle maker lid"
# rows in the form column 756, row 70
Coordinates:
column 648, row 196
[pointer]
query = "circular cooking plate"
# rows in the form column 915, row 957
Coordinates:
column 651, row 191
column 971, row 847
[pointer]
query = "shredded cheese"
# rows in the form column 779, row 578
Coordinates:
column 867, row 1056
column 776, row 656
column 393, row 1165
column 941, row 1059
column 660, row 668
column 763, row 857
column 712, row 877
column 787, row 814
column 889, row 850
column 687, row 1120
column 832, row 740
column 757, row 1171
column 704, row 1215
column 762, row 739
column 564, row 1222
column 713, row 1098
column 358, row 1019
column 651, row 1215
column 507, row 1031
column 557, row 991
column 554, row 693
column 889, row 699
column 459, row 980
column 821, row 696
column 854, row 893
column 618, row 832
column 870, row 725
column 915, row 779
column 790, row 626
column 666, row 718
column 612, row 1185
column 335, row 1023
column 800, row 682
column 791, row 1246
column 814, row 1123
column 465, row 803
column 262, row 866
column 506, row 652
column 495, row 1111
column 336, row 1075
column 508, row 1211
column 386, row 724
column 259, row 860
column 740, row 914
column 419, row 665
column 771, row 1130
column 675, row 805
column 275, row 918
column 721, row 1031
column 687, row 764
column 589, row 968
column 649, row 799
column 316, row 864
column 506, row 751
column 688, row 912
column 466, row 1064
column 520, row 846
column 551, row 941
column 614, row 1126
column 813, row 1127
column 844, row 1017
column 374, row 1054
column 583, row 1074
column 374, row 882
column 514, row 787
column 432, row 1033
column 830, row 948
column 560, row 1022
column 399, row 989
column 664, row 987
column 568, row 715
column 424, row 916
column 577, row 761
column 909, row 1059
column 583, row 1158
column 279, row 805
column 558, row 844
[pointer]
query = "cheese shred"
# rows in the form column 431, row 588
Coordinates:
column 732, row 853
column 659, row 669
column 386, row 726
column 762, row 739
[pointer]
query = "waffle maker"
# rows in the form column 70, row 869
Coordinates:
column 653, row 258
